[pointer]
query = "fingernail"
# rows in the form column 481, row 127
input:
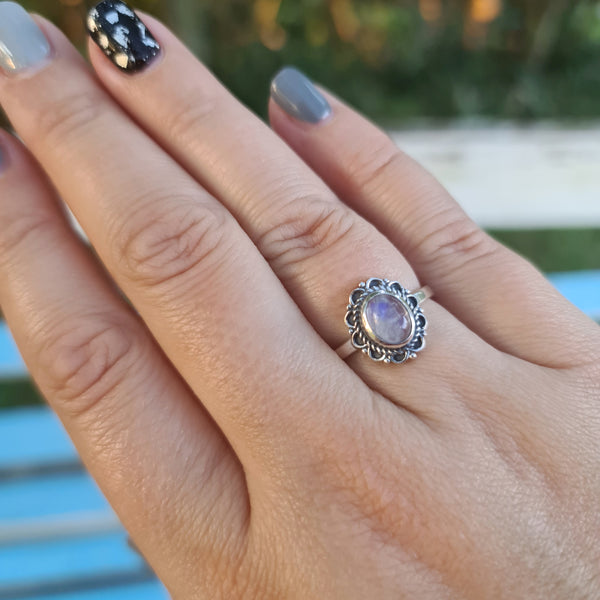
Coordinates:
column 297, row 95
column 122, row 36
column 22, row 43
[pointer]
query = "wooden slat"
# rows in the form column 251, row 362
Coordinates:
column 515, row 177
column 11, row 363
column 49, row 496
column 70, row 525
column 142, row 591
column 59, row 538
column 33, row 438
column 25, row 566
column 62, row 559
column 582, row 288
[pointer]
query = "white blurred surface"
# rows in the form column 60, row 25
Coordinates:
column 515, row 177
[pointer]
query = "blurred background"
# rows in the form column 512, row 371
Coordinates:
column 500, row 99
column 395, row 60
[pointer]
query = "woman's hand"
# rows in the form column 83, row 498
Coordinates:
column 244, row 456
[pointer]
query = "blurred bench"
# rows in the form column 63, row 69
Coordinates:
column 59, row 539
column 507, row 176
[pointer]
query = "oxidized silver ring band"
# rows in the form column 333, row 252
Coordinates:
column 385, row 321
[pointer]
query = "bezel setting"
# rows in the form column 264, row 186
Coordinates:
column 362, row 335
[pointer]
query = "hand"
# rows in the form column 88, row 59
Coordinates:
column 244, row 456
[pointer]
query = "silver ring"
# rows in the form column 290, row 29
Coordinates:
column 385, row 321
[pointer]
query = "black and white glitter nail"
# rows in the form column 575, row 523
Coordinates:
column 121, row 35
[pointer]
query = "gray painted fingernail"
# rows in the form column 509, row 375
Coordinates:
column 22, row 43
column 297, row 95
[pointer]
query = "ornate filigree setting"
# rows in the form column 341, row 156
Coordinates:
column 406, row 318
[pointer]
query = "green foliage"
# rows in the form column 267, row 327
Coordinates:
column 555, row 249
column 535, row 59
column 18, row 393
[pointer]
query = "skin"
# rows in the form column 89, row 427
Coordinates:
column 246, row 459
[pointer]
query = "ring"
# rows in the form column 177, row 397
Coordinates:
column 385, row 321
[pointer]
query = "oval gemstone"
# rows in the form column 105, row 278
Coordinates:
column 388, row 319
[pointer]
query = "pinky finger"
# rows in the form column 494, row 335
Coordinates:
column 143, row 435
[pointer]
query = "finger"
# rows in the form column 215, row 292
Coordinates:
column 308, row 236
column 283, row 206
column 199, row 283
column 496, row 293
column 148, row 443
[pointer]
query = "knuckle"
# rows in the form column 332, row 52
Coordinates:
column 372, row 168
column 188, row 115
column 305, row 232
column 377, row 169
column 21, row 229
column 68, row 115
column 171, row 245
column 452, row 241
column 84, row 360
column 369, row 492
column 352, row 472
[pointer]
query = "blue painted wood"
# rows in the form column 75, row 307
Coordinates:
column 62, row 560
column 143, row 591
column 85, row 564
column 33, row 437
column 582, row 288
column 49, row 496
column 11, row 363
